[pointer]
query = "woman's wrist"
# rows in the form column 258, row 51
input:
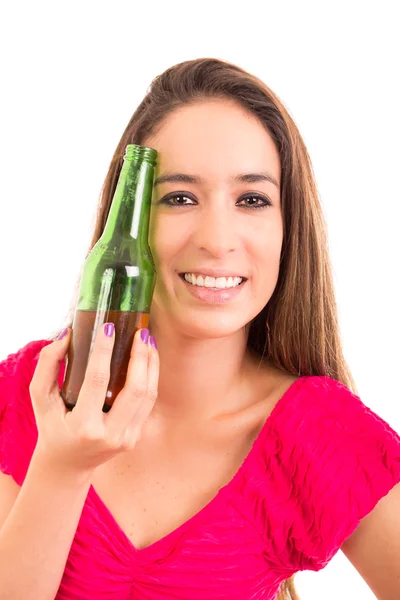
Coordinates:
column 43, row 464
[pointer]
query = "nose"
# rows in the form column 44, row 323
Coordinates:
column 216, row 231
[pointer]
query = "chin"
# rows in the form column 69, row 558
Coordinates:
column 202, row 321
column 209, row 326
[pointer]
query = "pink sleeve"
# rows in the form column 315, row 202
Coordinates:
column 18, row 431
column 347, row 458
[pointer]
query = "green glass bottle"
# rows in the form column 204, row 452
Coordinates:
column 118, row 278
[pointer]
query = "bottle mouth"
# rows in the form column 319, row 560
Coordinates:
column 137, row 152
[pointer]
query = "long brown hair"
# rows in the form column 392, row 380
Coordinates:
column 298, row 329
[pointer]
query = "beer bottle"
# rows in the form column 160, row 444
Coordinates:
column 117, row 280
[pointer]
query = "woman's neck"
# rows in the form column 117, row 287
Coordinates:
column 203, row 378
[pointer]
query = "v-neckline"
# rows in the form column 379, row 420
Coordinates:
column 224, row 490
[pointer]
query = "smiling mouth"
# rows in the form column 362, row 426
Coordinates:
column 182, row 276
column 211, row 295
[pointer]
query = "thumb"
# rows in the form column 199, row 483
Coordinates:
column 59, row 348
column 45, row 378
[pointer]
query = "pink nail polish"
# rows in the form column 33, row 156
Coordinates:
column 63, row 334
column 144, row 334
column 109, row 329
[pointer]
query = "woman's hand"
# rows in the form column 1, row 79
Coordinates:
column 84, row 438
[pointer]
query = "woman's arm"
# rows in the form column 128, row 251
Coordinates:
column 37, row 535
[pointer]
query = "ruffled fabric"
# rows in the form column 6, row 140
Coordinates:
column 320, row 463
column 326, row 459
column 347, row 459
column 18, row 431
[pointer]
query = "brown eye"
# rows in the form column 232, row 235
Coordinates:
column 255, row 201
column 176, row 200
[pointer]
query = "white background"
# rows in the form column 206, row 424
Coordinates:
column 72, row 75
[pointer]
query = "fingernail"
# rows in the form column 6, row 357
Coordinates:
column 153, row 341
column 144, row 334
column 109, row 329
column 63, row 334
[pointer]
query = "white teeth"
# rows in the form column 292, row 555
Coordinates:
column 209, row 282
column 212, row 282
column 221, row 282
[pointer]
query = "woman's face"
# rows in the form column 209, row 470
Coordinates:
column 214, row 163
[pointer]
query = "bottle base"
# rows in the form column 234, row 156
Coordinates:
column 106, row 407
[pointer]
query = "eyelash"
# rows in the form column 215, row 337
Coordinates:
column 167, row 200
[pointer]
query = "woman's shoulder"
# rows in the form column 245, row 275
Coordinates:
column 311, row 409
column 20, row 361
column 18, row 431
column 310, row 395
column 301, row 395
column 323, row 461
column 315, row 416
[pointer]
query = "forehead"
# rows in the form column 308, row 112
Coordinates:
column 214, row 136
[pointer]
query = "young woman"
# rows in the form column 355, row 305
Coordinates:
column 238, row 452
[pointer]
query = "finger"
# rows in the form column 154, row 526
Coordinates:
column 153, row 374
column 134, row 429
column 153, row 371
column 135, row 389
column 94, row 388
column 45, row 378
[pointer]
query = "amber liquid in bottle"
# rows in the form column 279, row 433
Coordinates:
column 126, row 325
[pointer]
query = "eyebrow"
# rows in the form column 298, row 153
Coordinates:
column 243, row 178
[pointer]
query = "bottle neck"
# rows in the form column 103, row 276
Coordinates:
column 129, row 214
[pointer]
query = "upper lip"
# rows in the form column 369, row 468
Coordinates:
column 214, row 272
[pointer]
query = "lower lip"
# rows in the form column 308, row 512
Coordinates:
column 213, row 296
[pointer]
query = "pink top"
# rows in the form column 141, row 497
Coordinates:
column 320, row 464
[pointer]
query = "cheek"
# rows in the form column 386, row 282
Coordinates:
column 167, row 238
column 266, row 242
